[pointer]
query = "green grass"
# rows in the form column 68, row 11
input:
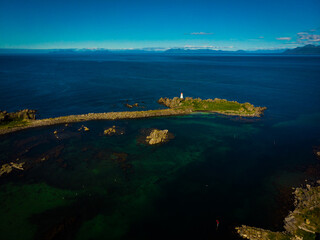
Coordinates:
column 305, row 235
column 219, row 106
column 279, row 236
column 313, row 216
column 13, row 124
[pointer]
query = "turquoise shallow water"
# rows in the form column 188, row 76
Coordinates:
column 90, row 186
column 84, row 185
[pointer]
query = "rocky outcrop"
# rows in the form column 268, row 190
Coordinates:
column 113, row 131
column 253, row 233
column 302, row 223
column 110, row 131
column 7, row 167
column 170, row 103
column 83, row 128
column 157, row 136
column 25, row 114
column 131, row 106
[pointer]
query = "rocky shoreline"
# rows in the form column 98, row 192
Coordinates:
column 303, row 223
column 95, row 116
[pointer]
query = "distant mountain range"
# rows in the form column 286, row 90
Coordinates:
column 218, row 52
column 305, row 50
column 202, row 51
column 84, row 51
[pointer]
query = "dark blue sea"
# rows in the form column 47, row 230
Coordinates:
column 84, row 185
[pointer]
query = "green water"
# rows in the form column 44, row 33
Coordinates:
column 91, row 186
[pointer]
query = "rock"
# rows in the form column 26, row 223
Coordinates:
column 171, row 103
column 25, row 114
column 7, row 168
column 131, row 106
column 110, row 131
column 113, row 131
column 84, row 128
column 157, row 136
column 17, row 165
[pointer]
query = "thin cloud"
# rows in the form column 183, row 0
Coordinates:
column 199, row 47
column 256, row 39
column 200, row 33
column 284, row 38
column 191, row 47
column 308, row 37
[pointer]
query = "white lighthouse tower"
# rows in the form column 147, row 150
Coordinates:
column 181, row 95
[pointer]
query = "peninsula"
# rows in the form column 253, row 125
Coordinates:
column 12, row 122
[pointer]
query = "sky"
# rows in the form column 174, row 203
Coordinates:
column 126, row 24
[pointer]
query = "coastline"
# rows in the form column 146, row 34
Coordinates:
column 176, row 107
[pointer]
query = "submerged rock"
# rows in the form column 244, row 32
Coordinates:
column 122, row 160
column 157, row 136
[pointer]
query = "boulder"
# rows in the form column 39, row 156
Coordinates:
column 157, row 136
column 83, row 128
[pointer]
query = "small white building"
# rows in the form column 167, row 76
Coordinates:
column 181, row 95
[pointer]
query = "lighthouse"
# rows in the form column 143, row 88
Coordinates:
column 181, row 95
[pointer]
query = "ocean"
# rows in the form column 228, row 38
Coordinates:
column 84, row 185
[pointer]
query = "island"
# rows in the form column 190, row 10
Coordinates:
column 216, row 105
column 12, row 122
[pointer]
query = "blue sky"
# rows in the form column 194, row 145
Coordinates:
column 117, row 24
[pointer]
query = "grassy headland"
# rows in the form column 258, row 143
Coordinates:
column 217, row 105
